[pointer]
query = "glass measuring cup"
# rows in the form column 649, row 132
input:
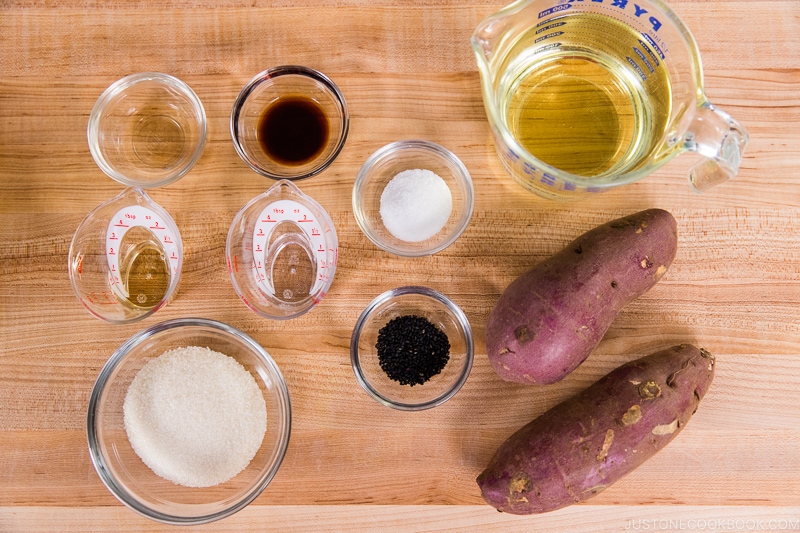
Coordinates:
column 125, row 258
column 583, row 95
column 282, row 252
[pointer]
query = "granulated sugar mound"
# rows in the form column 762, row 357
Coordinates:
column 196, row 417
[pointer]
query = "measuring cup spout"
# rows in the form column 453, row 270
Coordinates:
column 490, row 36
column 721, row 141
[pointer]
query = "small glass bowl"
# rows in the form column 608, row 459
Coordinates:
column 396, row 157
column 124, row 473
column 267, row 88
column 147, row 129
column 439, row 310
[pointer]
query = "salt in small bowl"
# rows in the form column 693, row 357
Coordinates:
column 379, row 170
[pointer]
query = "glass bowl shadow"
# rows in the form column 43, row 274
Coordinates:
column 121, row 469
column 439, row 310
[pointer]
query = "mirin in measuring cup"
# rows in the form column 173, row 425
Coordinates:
column 582, row 107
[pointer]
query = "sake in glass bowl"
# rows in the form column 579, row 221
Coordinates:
column 379, row 170
column 147, row 130
column 126, row 475
column 442, row 313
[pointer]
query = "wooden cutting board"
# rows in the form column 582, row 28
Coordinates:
column 407, row 71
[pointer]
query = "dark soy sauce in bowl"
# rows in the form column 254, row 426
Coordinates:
column 293, row 130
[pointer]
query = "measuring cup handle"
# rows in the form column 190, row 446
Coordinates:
column 721, row 141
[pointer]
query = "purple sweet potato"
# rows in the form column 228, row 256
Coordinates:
column 549, row 320
column 583, row 445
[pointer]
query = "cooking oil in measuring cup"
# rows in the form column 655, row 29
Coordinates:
column 125, row 258
column 583, row 95
column 585, row 110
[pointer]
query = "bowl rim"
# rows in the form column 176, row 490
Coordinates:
column 451, row 306
column 91, row 422
column 392, row 149
column 284, row 70
column 93, row 129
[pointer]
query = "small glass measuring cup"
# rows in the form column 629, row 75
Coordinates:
column 125, row 258
column 583, row 95
column 282, row 252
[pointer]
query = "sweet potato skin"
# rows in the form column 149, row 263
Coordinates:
column 583, row 445
column 549, row 319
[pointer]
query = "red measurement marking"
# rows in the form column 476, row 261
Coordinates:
column 173, row 256
column 167, row 239
column 315, row 233
column 113, row 268
column 321, row 249
column 269, row 219
column 306, row 219
column 258, row 248
column 261, row 232
column 111, row 251
column 156, row 226
column 113, row 236
column 235, row 263
column 120, row 224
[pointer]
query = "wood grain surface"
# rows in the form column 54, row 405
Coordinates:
column 407, row 71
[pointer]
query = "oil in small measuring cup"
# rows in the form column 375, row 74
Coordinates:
column 282, row 252
column 125, row 258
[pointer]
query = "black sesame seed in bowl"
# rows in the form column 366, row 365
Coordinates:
column 412, row 348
